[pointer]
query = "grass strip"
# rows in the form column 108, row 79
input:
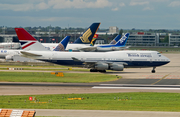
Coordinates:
column 138, row 101
column 48, row 77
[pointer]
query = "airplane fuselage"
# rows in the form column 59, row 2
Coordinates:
column 137, row 59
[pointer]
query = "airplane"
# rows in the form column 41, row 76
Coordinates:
column 82, row 41
column 110, row 47
column 101, row 61
column 96, row 61
column 33, row 44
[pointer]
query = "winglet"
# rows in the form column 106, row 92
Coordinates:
column 28, row 42
column 87, row 36
column 62, row 45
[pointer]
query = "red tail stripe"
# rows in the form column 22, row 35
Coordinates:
column 28, row 45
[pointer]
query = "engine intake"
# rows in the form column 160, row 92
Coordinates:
column 101, row 66
column 9, row 57
column 117, row 67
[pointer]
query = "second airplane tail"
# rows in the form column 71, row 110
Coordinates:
column 87, row 36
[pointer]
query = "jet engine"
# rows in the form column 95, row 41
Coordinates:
column 101, row 66
column 117, row 67
column 9, row 57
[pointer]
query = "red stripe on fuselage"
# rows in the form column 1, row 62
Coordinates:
column 28, row 45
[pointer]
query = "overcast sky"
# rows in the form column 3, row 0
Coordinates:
column 125, row 14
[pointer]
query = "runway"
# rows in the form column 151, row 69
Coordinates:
column 166, row 79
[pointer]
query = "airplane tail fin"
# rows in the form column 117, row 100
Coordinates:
column 94, row 40
column 28, row 42
column 87, row 36
column 115, row 40
column 62, row 45
column 123, row 40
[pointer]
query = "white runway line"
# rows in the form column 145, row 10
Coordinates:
column 151, row 88
column 138, row 85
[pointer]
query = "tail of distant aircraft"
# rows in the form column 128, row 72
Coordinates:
column 87, row 36
column 28, row 42
column 93, row 40
column 115, row 40
column 123, row 40
column 62, row 45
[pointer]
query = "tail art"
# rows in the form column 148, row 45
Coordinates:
column 62, row 45
column 94, row 39
column 87, row 36
column 123, row 40
column 115, row 40
column 28, row 42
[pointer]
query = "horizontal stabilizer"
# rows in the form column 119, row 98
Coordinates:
column 29, row 54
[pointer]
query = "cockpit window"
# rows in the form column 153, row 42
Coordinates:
column 159, row 54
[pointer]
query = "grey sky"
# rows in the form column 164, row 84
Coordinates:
column 126, row 14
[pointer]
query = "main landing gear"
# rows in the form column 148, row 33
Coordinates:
column 95, row 70
column 153, row 71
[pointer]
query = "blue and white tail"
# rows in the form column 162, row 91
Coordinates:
column 87, row 36
column 123, row 40
column 62, row 45
column 28, row 42
column 115, row 40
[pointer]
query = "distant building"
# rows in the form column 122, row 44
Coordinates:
column 174, row 39
column 113, row 29
column 143, row 39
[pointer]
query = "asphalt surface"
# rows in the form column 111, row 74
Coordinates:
column 166, row 79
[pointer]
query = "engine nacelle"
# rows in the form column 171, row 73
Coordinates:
column 117, row 67
column 101, row 66
column 9, row 57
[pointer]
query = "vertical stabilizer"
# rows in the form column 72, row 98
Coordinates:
column 87, row 36
column 62, row 45
column 28, row 42
column 123, row 40
column 115, row 40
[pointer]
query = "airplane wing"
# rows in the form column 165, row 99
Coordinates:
column 29, row 54
column 88, row 49
column 91, row 64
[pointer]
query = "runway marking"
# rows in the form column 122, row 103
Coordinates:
column 160, row 79
column 173, row 77
column 154, row 76
column 150, row 88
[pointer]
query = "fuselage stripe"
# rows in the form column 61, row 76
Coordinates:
column 28, row 45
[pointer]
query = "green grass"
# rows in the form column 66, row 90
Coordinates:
column 48, row 77
column 139, row 101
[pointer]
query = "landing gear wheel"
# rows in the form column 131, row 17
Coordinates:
column 102, row 70
column 153, row 71
column 93, row 70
